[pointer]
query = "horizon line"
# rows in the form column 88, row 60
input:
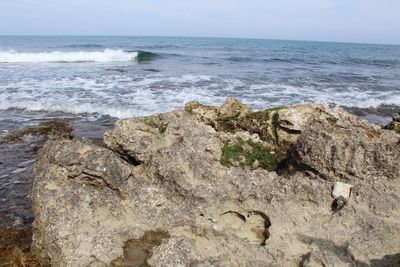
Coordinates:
column 205, row 37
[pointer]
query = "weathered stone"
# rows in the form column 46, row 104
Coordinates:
column 341, row 146
column 173, row 190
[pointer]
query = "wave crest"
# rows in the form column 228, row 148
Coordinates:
column 107, row 55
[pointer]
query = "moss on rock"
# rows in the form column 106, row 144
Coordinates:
column 276, row 108
column 263, row 123
column 394, row 126
column 237, row 154
column 155, row 123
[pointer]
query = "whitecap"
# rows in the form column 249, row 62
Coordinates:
column 108, row 55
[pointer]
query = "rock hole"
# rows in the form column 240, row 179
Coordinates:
column 137, row 252
column 252, row 227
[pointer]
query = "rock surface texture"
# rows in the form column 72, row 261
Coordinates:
column 222, row 186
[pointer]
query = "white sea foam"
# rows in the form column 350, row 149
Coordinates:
column 107, row 55
column 128, row 96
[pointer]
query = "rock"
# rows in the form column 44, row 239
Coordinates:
column 396, row 117
column 233, row 108
column 291, row 122
column 338, row 203
column 255, row 164
column 14, row 248
column 52, row 129
column 199, row 187
column 247, row 148
column 341, row 189
column 338, row 145
column 395, row 124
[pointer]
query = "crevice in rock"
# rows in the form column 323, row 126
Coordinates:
column 241, row 216
column 288, row 130
column 291, row 164
column 88, row 177
column 127, row 157
column 267, row 224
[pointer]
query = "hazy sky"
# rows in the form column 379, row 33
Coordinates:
column 374, row 21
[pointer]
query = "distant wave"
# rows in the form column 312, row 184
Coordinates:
column 81, row 46
column 107, row 55
column 374, row 62
column 317, row 61
column 270, row 60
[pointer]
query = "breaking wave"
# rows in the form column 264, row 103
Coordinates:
column 107, row 55
column 120, row 95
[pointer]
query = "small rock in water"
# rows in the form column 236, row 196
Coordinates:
column 341, row 189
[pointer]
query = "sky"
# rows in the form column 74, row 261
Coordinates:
column 364, row 21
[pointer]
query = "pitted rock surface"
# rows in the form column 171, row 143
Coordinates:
column 184, row 189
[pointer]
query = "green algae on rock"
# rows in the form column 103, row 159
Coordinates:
column 154, row 122
column 247, row 153
column 394, row 125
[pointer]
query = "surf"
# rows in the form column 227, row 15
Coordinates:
column 108, row 55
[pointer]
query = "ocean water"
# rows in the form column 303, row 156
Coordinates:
column 130, row 76
column 91, row 81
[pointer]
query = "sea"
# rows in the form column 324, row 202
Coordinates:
column 92, row 81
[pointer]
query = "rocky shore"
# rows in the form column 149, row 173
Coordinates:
column 222, row 186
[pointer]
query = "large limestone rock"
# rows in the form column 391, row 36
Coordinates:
column 342, row 146
column 199, row 187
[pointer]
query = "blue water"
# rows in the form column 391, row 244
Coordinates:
column 131, row 76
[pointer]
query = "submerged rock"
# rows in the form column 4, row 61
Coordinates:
column 51, row 129
column 15, row 248
column 199, row 187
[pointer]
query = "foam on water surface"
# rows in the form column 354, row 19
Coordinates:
column 107, row 55
column 128, row 96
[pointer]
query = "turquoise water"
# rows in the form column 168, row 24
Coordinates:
column 129, row 76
